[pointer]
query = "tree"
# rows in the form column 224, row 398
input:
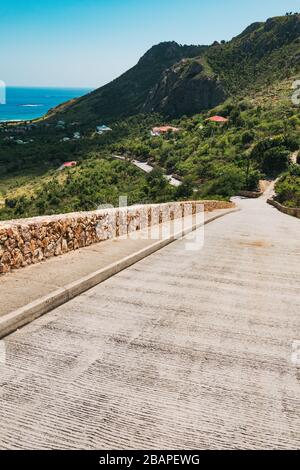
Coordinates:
column 247, row 137
column 230, row 181
column 185, row 190
column 275, row 161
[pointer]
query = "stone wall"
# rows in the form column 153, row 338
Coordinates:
column 29, row 241
column 250, row 194
column 293, row 211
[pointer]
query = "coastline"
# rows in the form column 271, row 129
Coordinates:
column 30, row 103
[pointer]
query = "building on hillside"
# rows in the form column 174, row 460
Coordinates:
column 76, row 135
column 217, row 119
column 164, row 130
column 102, row 129
column 60, row 125
column 157, row 131
column 65, row 139
column 68, row 165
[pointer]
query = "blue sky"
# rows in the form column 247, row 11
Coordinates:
column 86, row 43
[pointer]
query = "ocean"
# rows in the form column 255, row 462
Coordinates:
column 30, row 103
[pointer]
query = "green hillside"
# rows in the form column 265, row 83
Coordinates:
column 126, row 95
column 247, row 80
column 176, row 80
column 263, row 54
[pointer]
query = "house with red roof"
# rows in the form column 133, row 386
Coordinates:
column 157, row 131
column 67, row 165
column 217, row 119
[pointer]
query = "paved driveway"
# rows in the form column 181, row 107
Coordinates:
column 183, row 350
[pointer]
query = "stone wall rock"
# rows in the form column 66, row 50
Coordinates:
column 292, row 211
column 29, row 241
column 250, row 194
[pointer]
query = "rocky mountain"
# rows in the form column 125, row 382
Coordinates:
column 180, row 80
column 185, row 88
column 127, row 94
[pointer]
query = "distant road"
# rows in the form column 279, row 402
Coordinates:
column 183, row 350
column 295, row 157
column 148, row 168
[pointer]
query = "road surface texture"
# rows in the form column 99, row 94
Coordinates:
column 22, row 286
column 185, row 349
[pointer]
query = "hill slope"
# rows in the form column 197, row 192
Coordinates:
column 126, row 95
column 262, row 54
column 251, row 77
column 177, row 80
column 185, row 88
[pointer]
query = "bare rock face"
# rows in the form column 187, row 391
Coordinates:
column 187, row 88
column 126, row 95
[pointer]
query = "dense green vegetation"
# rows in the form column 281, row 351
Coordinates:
column 213, row 160
column 262, row 54
column 288, row 188
column 97, row 183
column 223, row 159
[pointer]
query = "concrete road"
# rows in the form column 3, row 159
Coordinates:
column 183, row 350
column 148, row 168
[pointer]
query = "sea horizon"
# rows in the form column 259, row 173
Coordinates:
column 27, row 103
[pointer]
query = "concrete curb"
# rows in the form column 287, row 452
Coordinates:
column 291, row 211
column 24, row 315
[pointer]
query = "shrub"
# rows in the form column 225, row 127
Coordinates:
column 247, row 137
column 288, row 190
column 229, row 182
column 275, row 161
column 252, row 181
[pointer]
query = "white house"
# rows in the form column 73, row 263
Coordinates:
column 101, row 129
column 60, row 125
